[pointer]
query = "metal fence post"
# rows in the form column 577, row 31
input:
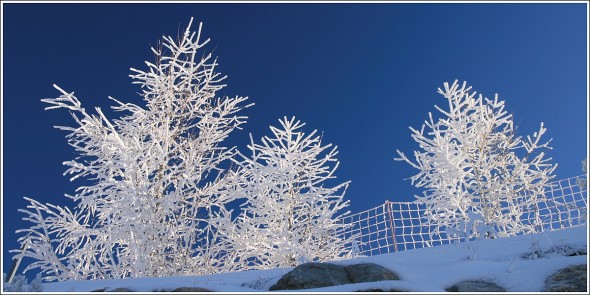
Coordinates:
column 391, row 224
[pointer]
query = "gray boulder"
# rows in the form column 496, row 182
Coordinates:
column 181, row 289
column 317, row 275
column 121, row 290
column 369, row 272
column 570, row 279
column 191, row 289
column 475, row 286
column 312, row 275
column 381, row 290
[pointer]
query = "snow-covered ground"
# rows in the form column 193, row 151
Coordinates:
column 509, row 262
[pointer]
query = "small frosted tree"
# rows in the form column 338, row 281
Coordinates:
column 291, row 214
column 583, row 181
column 152, row 178
column 472, row 164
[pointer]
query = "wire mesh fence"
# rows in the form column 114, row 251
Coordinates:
column 398, row 226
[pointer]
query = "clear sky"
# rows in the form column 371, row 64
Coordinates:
column 359, row 73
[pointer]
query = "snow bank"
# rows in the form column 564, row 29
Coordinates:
column 505, row 261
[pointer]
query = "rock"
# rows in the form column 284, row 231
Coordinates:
column 380, row 290
column 191, row 289
column 120, row 290
column 569, row 279
column 369, row 272
column 317, row 275
column 181, row 289
column 312, row 275
column 580, row 252
column 475, row 286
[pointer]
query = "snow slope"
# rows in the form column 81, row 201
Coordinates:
column 422, row 270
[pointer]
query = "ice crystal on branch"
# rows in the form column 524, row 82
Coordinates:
column 471, row 162
column 153, row 177
column 291, row 212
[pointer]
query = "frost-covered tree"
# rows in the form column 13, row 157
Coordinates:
column 471, row 163
column 583, row 181
column 291, row 213
column 151, row 178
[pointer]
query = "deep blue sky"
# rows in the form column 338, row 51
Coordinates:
column 361, row 73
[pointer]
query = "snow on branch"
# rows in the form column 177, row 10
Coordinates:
column 291, row 213
column 152, row 178
column 471, row 163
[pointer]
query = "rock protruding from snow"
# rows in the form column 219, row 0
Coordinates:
column 180, row 289
column 317, row 275
column 369, row 272
column 312, row 275
column 121, row 290
column 380, row 290
column 475, row 286
column 191, row 289
column 569, row 279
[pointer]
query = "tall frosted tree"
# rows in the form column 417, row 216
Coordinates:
column 475, row 171
column 291, row 212
column 152, row 178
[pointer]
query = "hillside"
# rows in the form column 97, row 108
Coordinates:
column 518, row 264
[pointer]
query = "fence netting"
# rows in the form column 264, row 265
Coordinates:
column 398, row 226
